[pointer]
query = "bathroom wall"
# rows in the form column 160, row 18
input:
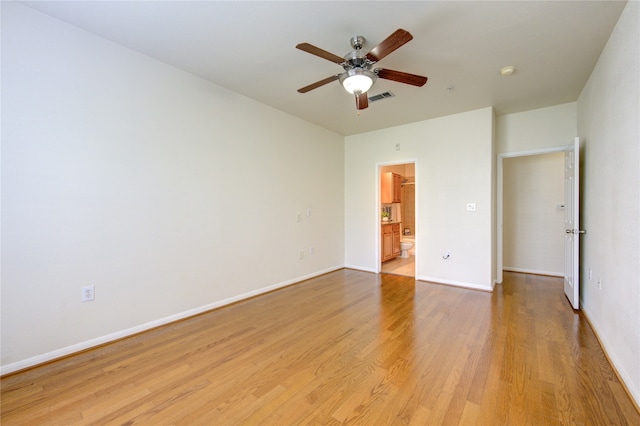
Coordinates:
column 408, row 207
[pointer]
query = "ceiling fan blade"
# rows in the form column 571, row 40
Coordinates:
column 319, row 83
column 389, row 44
column 362, row 101
column 309, row 48
column 401, row 77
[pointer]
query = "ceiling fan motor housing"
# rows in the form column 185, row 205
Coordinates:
column 356, row 58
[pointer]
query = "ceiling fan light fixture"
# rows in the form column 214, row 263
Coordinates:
column 357, row 80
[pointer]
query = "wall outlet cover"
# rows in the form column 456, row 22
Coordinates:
column 88, row 293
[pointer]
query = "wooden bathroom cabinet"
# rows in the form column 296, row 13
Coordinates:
column 390, row 188
column 390, row 243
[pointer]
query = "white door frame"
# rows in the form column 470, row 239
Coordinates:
column 500, row 195
column 378, row 268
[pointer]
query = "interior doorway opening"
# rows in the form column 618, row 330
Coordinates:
column 530, row 212
column 398, row 219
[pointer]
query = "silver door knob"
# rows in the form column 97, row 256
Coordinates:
column 575, row 231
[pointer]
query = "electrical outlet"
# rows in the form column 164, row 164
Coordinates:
column 88, row 293
column 599, row 284
column 312, row 250
column 302, row 255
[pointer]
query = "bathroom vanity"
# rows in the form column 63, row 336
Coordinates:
column 390, row 240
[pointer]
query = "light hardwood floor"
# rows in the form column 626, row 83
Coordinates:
column 346, row 347
column 400, row 266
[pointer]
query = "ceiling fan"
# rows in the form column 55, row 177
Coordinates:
column 358, row 77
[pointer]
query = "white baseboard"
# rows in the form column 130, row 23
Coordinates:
column 78, row 347
column 360, row 268
column 624, row 376
column 533, row 271
column 472, row 286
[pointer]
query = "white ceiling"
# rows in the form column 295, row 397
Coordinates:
column 249, row 48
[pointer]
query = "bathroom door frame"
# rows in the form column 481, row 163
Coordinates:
column 378, row 231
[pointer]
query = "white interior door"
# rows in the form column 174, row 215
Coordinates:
column 572, row 223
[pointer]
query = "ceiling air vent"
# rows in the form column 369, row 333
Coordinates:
column 381, row 96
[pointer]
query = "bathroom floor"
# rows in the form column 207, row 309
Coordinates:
column 400, row 266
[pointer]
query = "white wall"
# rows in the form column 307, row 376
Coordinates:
column 171, row 195
column 608, row 111
column 453, row 158
column 537, row 129
column 533, row 223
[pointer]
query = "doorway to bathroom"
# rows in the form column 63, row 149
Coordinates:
column 397, row 211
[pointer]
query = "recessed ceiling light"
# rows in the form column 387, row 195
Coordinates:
column 507, row 70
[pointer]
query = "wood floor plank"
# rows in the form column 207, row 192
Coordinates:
column 345, row 347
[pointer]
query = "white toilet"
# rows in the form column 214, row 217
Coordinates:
column 406, row 244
